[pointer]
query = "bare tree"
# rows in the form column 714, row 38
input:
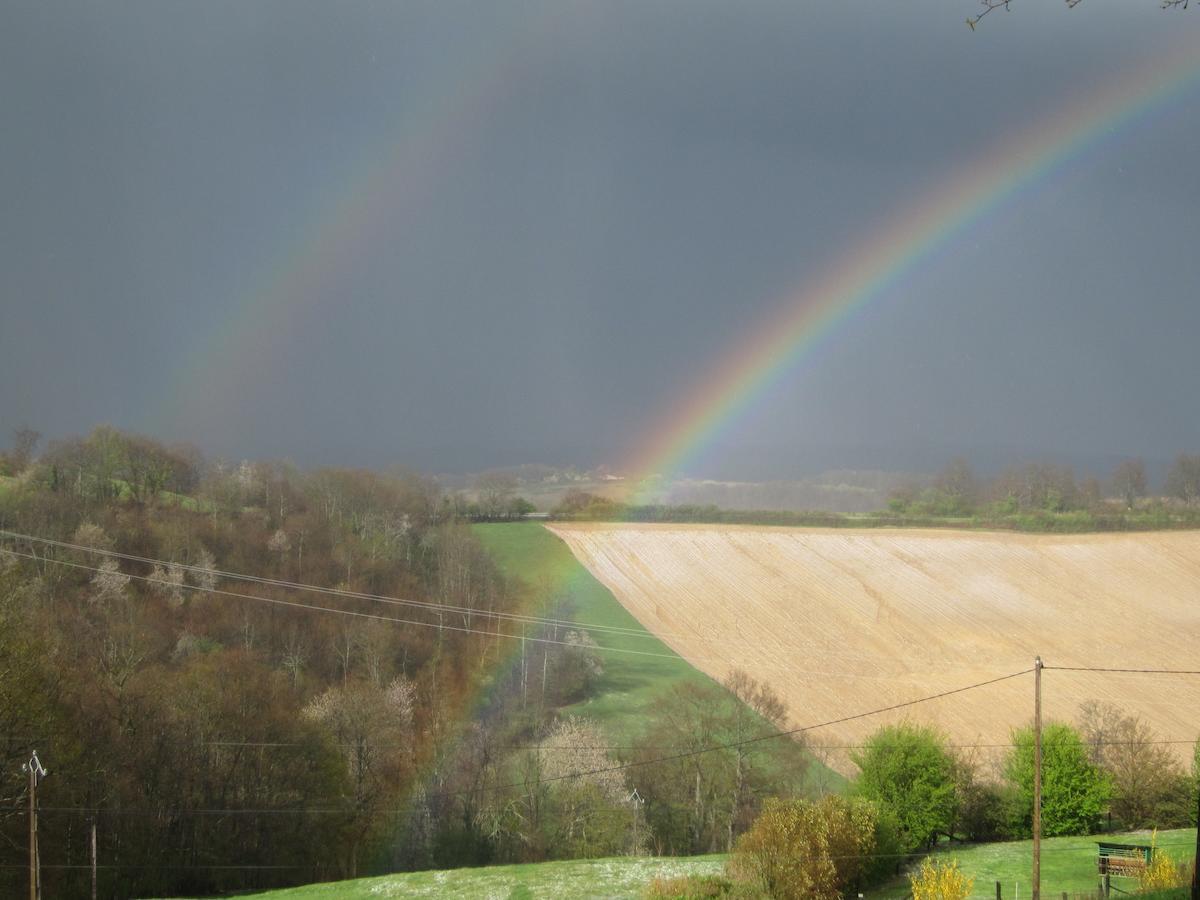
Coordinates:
column 1129, row 481
column 1183, row 479
column 988, row 6
column 495, row 490
column 1144, row 772
column 25, row 441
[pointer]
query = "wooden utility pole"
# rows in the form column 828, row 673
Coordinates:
column 1037, row 778
column 36, row 774
column 635, row 799
column 1196, row 860
column 93, row 859
column 33, row 866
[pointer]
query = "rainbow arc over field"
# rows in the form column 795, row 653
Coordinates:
column 778, row 344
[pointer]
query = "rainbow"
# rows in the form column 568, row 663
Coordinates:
column 373, row 202
column 777, row 344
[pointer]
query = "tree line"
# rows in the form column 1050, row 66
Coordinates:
column 1029, row 497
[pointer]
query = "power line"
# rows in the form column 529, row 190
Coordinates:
column 149, row 579
column 338, row 592
column 1124, row 671
column 347, row 612
column 618, row 747
column 656, row 860
column 645, row 762
column 818, row 747
column 443, row 609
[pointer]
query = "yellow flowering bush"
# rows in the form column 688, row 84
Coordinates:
column 940, row 881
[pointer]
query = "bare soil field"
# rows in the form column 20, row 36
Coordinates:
column 844, row 621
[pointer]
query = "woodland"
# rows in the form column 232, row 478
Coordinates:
column 244, row 676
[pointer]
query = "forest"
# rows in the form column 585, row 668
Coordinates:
column 248, row 676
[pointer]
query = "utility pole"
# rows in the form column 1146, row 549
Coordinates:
column 635, row 800
column 1037, row 778
column 36, row 774
column 93, row 858
column 1196, row 861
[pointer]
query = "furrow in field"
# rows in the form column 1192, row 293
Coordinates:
column 841, row 621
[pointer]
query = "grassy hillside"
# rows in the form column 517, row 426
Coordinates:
column 544, row 564
column 631, row 682
column 1068, row 864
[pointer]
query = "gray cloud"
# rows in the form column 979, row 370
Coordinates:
column 604, row 197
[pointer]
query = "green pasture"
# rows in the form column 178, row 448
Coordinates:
column 1068, row 865
column 588, row 879
column 547, row 569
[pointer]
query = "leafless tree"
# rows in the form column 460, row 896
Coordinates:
column 25, row 441
column 1129, row 481
column 1183, row 479
column 988, row 6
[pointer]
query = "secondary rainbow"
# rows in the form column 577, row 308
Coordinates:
column 778, row 343
column 356, row 211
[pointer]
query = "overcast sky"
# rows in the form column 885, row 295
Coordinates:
column 457, row 235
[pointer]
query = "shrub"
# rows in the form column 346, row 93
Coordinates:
column 696, row 887
column 937, row 880
column 815, row 850
column 1164, row 871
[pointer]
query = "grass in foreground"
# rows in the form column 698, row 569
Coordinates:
column 618, row 877
column 1068, row 864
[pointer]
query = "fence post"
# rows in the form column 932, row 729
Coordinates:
column 997, row 890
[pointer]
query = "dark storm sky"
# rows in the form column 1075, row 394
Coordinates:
column 457, row 235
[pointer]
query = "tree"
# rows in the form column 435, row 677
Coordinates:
column 1183, row 478
column 957, row 488
column 980, row 812
column 908, row 771
column 495, row 490
column 588, row 810
column 25, row 441
column 699, row 799
column 1075, row 791
column 373, row 730
column 1129, row 481
column 1146, row 777
column 992, row 5
column 1038, row 486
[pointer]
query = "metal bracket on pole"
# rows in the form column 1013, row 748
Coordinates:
column 36, row 773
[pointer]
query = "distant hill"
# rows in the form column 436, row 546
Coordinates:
column 838, row 490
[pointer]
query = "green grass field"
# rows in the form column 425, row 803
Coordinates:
column 619, row 877
column 1068, row 864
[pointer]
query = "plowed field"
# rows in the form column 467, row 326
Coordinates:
column 843, row 621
